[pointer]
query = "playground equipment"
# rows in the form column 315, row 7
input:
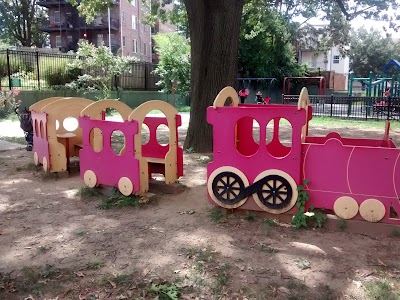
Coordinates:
column 131, row 168
column 53, row 143
column 251, row 86
column 375, row 88
column 318, row 80
column 354, row 178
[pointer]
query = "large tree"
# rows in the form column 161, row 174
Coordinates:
column 370, row 51
column 19, row 22
column 214, row 28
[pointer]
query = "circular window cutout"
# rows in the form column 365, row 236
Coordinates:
column 70, row 124
column 96, row 139
column 117, row 142
column 162, row 135
column 145, row 134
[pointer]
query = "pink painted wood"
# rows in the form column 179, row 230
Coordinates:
column 154, row 149
column 108, row 166
column 40, row 142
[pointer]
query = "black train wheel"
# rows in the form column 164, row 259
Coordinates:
column 277, row 192
column 226, row 185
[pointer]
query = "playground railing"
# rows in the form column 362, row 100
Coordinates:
column 350, row 107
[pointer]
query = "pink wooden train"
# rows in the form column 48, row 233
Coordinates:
column 130, row 169
column 354, row 178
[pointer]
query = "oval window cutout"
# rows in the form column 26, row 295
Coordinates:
column 117, row 142
column 96, row 139
column 70, row 124
column 145, row 134
column 162, row 134
column 280, row 141
column 247, row 136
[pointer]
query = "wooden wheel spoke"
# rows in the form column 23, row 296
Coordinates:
column 279, row 196
column 235, row 188
column 279, row 187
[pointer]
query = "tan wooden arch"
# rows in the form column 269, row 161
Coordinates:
column 37, row 107
column 224, row 94
column 59, row 110
column 171, row 168
column 304, row 102
column 95, row 109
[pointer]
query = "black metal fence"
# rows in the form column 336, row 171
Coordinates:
column 33, row 70
column 363, row 108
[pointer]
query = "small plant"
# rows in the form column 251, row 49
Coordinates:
column 94, row 265
column 88, row 193
column 395, row 232
column 222, row 278
column 342, row 225
column 120, row 201
column 81, row 232
column 381, row 290
column 216, row 214
column 190, row 150
column 267, row 224
column 165, row 291
column 250, row 216
column 300, row 219
column 303, row 263
column 8, row 102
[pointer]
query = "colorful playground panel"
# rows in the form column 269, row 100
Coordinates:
column 354, row 178
column 128, row 170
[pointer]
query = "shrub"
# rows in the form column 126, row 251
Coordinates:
column 8, row 102
column 17, row 64
column 56, row 72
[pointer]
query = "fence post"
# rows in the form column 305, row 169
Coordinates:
column 331, row 105
column 8, row 69
column 145, row 77
column 37, row 67
column 389, row 107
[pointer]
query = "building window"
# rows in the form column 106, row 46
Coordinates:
column 144, row 49
column 123, row 41
column 134, row 2
column 112, row 38
column 134, row 22
column 58, row 41
column 123, row 17
column 336, row 59
column 153, row 30
column 57, row 17
column 100, row 40
column 135, row 46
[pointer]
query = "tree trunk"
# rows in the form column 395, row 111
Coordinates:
column 214, row 33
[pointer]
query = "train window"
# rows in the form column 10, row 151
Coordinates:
column 162, row 134
column 269, row 131
column 96, row 139
column 113, row 115
column 247, row 136
column 36, row 128
column 279, row 140
column 145, row 134
column 41, row 129
column 117, row 141
column 70, row 124
column 57, row 124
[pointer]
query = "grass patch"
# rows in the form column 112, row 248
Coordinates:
column 334, row 122
column 250, row 216
column 86, row 192
column 342, row 225
column 33, row 280
column 267, row 224
column 81, row 232
column 395, row 232
column 94, row 265
column 121, row 201
column 216, row 214
column 325, row 292
column 14, row 139
column 381, row 290
column 221, row 280
column 183, row 109
column 166, row 291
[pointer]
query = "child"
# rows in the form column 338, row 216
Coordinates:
column 25, row 122
column 260, row 99
column 243, row 94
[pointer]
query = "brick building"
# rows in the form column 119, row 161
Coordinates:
column 122, row 27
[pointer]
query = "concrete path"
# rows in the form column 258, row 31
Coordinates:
column 4, row 145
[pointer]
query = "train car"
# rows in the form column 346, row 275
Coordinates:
column 355, row 178
column 130, row 169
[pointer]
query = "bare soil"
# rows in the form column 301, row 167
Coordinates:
column 55, row 244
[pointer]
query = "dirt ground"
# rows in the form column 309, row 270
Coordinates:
column 57, row 244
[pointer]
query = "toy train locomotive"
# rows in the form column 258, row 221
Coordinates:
column 354, row 178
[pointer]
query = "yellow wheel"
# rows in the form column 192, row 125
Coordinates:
column 345, row 207
column 125, row 186
column 90, row 178
column 372, row 210
column 225, row 186
column 36, row 158
column 45, row 164
column 277, row 193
